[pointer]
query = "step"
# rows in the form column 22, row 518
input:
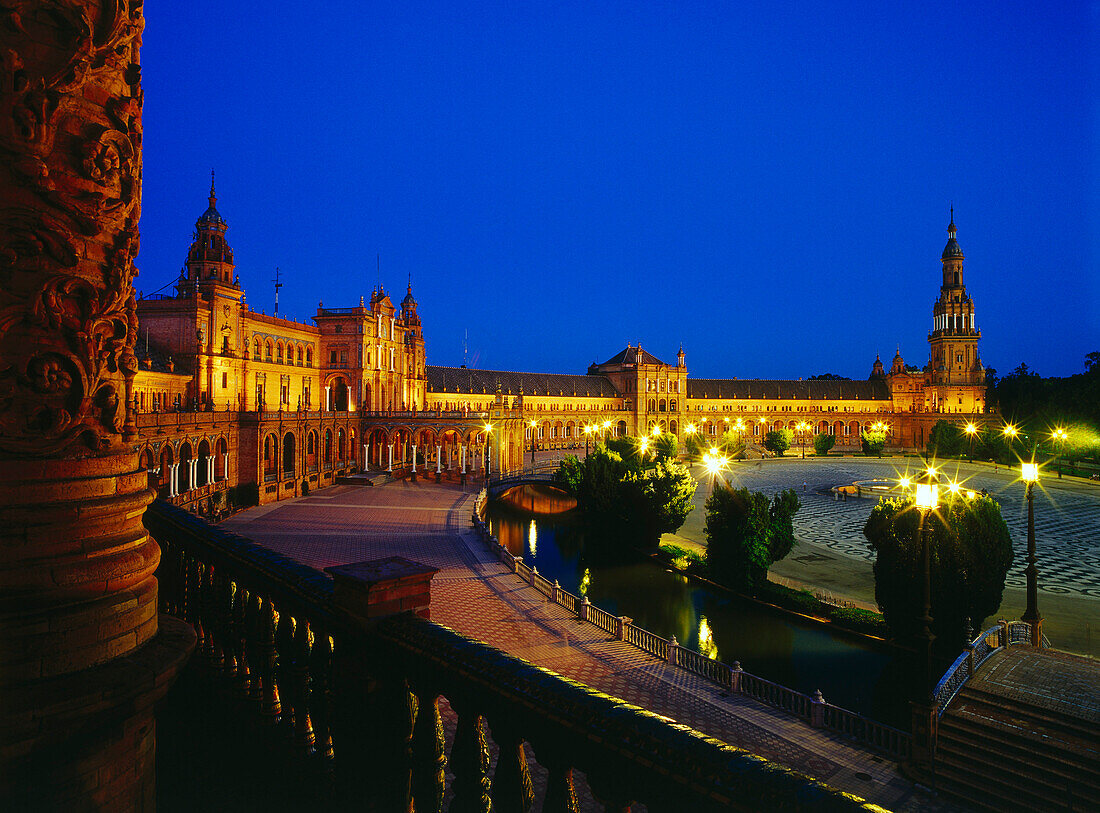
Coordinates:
column 1032, row 746
column 1085, row 729
column 1001, row 789
column 1048, row 778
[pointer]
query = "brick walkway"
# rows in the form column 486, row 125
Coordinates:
column 476, row 596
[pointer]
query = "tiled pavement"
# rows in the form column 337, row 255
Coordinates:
column 1067, row 513
column 476, row 596
column 1045, row 678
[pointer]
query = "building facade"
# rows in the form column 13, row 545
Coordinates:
column 230, row 398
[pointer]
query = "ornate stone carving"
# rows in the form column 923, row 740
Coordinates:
column 70, row 180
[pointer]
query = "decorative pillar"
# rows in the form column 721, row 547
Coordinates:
column 83, row 656
column 172, row 479
column 438, row 458
column 225, row 464
column 328, row 401
column 365, row 458
column 389, row 466
column 192, row 473
column 413, row 478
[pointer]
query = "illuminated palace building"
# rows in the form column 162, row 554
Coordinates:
column 228, row 397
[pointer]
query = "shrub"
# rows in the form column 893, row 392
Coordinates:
column 823, row 443
column 778, row 440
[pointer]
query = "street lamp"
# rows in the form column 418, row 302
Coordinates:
column 802, row 427
column 606, row 426
column 588, row 430
column 488, row 459
column 1029, row 473
column 715, row 464
column 926, row 498
column 1060, row 435
column 970, row 430
column 532, row 423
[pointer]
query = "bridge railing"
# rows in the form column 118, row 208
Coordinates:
column 356, row 704
column 811, row 709
column 1005, row 634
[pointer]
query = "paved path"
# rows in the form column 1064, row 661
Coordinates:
column 476, row 596
column 833, row 553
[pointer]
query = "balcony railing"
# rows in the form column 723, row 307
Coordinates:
column 358, row 702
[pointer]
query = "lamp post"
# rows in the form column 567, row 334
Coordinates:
column 925, row 717
column 1029, row 473
column 533, row 423
column 802, row 427
column 606, row 429
column 587, row 434
column 488, row 458
column 970, row 430
column 715, row 464
column 1060, row 435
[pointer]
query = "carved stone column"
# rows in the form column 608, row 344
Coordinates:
column 81, row 658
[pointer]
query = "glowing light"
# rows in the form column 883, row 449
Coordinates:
column 953, row 487
column 1059, row 434
column 926, row 498
column 715, row 464
column 690, row 429
column 971, row 429
column 706, row 639
column 1029, row 472
column 971, row 495
column 643, row 444
column 905, row 482
column 931, row 472
column 488, row 427
column 656, row 431
column 586, row 580
column 1010, row 430
column 532, row 537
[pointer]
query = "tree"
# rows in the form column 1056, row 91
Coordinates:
column 971, row 552
column 659, row 499
column 665, row 446
column 731, row 444
column 829, row 377
column 778, row 440
column 823, row 443
column 946, row 440
column 695, row 444
column 872, row 441
column 746, row 534
column 569, row 475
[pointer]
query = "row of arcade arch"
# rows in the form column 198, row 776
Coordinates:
column 328, row 448
column 189, row 466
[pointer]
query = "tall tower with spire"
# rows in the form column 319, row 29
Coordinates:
column 210, row 259
column 955, row 370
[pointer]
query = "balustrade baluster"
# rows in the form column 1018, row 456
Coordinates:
column 320, row 699
column 512, row 792
column 224, row 617
column 270, row 708
column 470, row 763
column 211, row 619
column 257, row 676
column 561, row 793
column 284, row 646
column 299, row 688
column 238, row 624
column 194, row 603
column 428, row 755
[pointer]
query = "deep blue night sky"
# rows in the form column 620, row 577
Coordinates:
column 769, row 186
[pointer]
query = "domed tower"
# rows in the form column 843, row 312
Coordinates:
column 416, row 376
column 210, row 259
column 954, row 336
column 876, row 368
column 899, row 363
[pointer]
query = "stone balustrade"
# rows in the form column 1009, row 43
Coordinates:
column 355, row 695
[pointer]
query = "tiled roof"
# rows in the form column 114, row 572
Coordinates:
column 633, row 355
column 761, row 388
column 465, row 380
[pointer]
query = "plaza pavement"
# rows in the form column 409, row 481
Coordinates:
column 832, row 554
column 475, row 595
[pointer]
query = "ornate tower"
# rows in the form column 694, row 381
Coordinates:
column 954, row 336
column 416, row 377
column 210, row 259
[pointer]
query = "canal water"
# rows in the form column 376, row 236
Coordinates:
column 536, row 522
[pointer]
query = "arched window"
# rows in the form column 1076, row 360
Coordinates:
column 299, row 355
column 204, row 454
column 311, row 451
column 340, row 445
column 267, row 350
column 256, row 348
column 328, row 447
column 309, row 357
column 279, row 353
column 288, row 454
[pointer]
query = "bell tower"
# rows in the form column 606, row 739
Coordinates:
column 954, row 336
column 209, row 265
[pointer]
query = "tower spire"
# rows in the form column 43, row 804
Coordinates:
column 213, row 199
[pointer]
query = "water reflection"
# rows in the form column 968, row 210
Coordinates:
column 849, row 672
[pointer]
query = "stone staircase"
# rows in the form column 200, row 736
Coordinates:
column 1001, row 754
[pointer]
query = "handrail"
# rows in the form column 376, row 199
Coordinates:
column 977, row 652
column 870, row 733
column 357, row 702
